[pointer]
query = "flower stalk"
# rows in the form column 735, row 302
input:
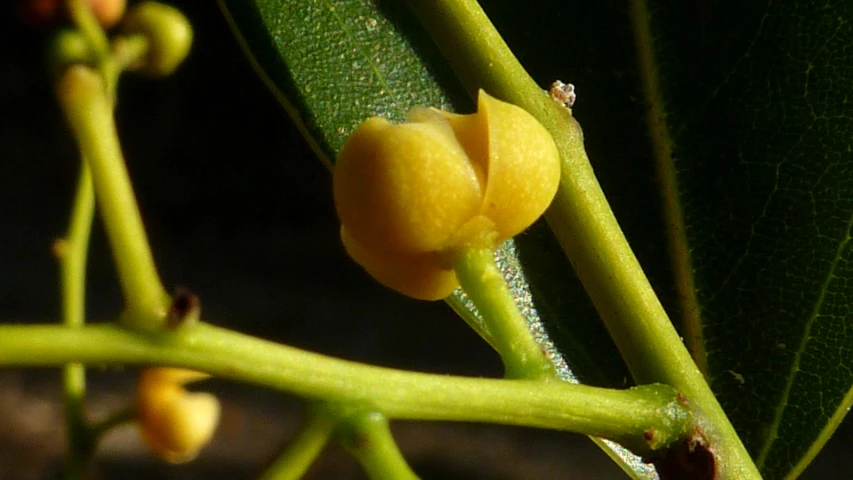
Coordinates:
column 71, row 253
column 295, row 461
column 484, row 283
column 87, row 104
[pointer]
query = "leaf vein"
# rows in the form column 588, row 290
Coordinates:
column 773, row 431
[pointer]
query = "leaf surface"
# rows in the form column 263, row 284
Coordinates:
column 756, row 99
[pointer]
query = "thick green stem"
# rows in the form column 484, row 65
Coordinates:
column 368, row 438
column 585, row 225
column 304, row 449
column 72, row 252
column 485, row 285
column 623, row 416
column 88, row 109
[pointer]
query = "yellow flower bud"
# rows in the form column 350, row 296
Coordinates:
column 410, row 196
column 168, row 32
column 176, row 424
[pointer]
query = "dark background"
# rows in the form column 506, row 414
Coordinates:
column 238, row 210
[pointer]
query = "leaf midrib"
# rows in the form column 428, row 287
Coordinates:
column 348, row 32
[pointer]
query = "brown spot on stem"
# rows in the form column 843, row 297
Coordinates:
column 692, row 458
column 184, row 310
column 59, row 248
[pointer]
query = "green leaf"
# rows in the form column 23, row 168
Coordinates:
column 334, row 63
column 755, row 95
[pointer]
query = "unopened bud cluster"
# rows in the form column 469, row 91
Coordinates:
column 167, row 34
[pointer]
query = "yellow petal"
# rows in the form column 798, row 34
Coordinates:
column 404, row 187
column 176, row 424
column 524, row 167
column 417, row 275
column 519, row 158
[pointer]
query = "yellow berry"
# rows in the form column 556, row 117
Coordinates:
column 411, row 196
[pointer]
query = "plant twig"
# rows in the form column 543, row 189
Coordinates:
column 368, row 438
column 304, row 449
column 88, row 109
column 624, row 416
column 71, row 252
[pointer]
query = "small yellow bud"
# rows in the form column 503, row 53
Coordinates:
column 68, row 47
column 410, row 196
column 175, row 423
column 169, row 35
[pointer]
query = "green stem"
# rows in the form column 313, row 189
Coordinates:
column 88, row 25
column 88, row 109
column 82, row 16
column 624, row 416
column 368, row 438
column 72, row 252
column 305, row 448
column 129, row 50
column 585, row 225
column 485, row 285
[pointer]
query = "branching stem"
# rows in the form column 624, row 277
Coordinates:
column 623, row 416
column 71, row 252
column 304, row 449
column 88, row 108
